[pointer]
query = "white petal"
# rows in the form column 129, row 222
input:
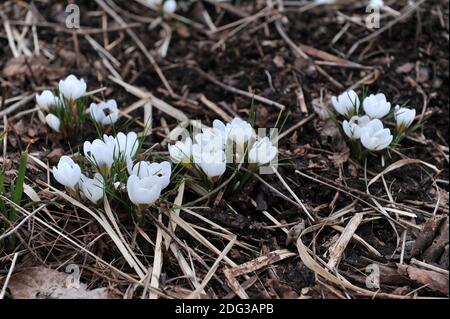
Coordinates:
column 53, row 122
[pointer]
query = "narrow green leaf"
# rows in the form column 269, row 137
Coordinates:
column 17, row 192
column 2, row 192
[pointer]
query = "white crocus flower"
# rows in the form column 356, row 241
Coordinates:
column 105, row 113
column 100, row 153
column 211, row 137
column 346, row 104
column 170, row 6
column 376, row 3
column 353, row 127
column 404, row 117
column 46, row 99
column 124, row 145
column 67, row 173
column 143, row 191
column 210, row 160
column 160, row 170
column 181, row 152
column 262, row 152
column 72, row 88
column 376, row 106
column 239, row 131
column 93, row 188
column 53, row 122
column 375, row 137
column 222, row 128
column 216, row 136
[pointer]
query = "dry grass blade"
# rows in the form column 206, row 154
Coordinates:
column 360, row 240
column 176, row 210
column 17, row 105
column 82, row 248
column 115, row 226
column 313, row 265
column 212, row 106
column 336, row 61
column 157, row 261
column 261, row 262
column 338, row 249
column 251, row 266
column 185, row 267
column 114, row 236
column 197, row 236
column 159, row 104
column 213, row 269
column 10, row 271
column 294, row 195
column 399, row 164
column 138, row 42
column 232, row 89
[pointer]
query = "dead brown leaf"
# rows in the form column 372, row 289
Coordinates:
column 321, row 109
column 331, row 136
column 426, row 235
column 340, row 159
column 434, row 280
column 45, row 283
column 435, row 250
column 22, row 67
column 35, row 68
column 55, row 155
column 405, row 68
column 294, row 233
column 328, row 57
column 279, row 61
column 283, row 290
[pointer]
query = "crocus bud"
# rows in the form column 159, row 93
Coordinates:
column 353, row 127
column 404, row 117
column 374, row 137
column 376, row 106
column 170, row 6
column 376, row 3
column 53, row 122
column 262, row 152
column 104, row 113
column 46, row 99
column 181, row 152
column 346, row 104
column 67, row 173
column 72, row 88
column 143, row 191
column 92, row 188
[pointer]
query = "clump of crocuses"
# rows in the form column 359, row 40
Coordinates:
column 211, row 153
column 365, row 122
column 65, row 109
column 110, row 161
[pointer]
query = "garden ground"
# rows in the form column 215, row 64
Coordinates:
column 216, row 60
